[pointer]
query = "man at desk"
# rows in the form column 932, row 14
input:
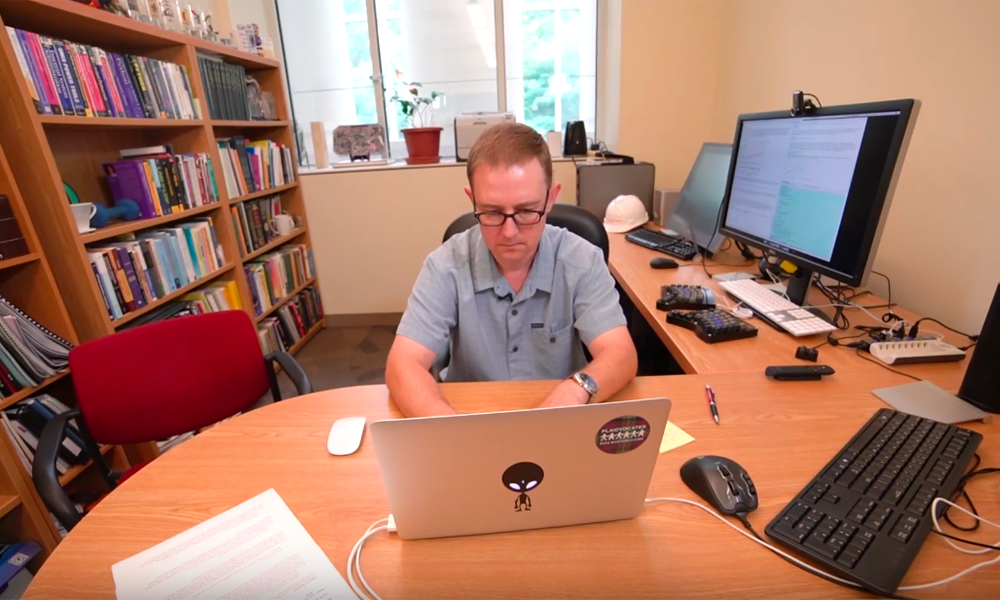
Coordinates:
column 513, row 298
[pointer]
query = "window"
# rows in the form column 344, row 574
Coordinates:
column 344, row 59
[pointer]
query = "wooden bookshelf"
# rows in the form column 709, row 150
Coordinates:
column 284, row 299
column 274, row 244
column 55, row 282
column 29, row 392
column 8, row 503
column 123, row 227
column 76, row 470
column 74, row 121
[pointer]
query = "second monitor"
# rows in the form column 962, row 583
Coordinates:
column 696, row 215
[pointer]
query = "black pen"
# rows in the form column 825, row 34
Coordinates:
column 711, row 403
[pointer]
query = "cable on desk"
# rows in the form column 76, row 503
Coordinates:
column 354, row 561
column 916, row 326
column 889, row 316
column 885, row 366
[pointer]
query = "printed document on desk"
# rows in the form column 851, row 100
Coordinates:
column 255, row 550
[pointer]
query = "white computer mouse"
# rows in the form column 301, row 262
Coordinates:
column 345, row 436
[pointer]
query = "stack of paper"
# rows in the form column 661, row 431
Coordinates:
column 255, row 550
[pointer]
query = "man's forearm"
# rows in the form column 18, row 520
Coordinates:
column 415, row 392
column 612, row 369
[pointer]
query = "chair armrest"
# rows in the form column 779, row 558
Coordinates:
column 43, row 470
column 292, row 368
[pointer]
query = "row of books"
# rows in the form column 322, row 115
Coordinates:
column 225, row 88
column 65, row 78
column 249, row 167
column 24, row 423
column 12, row 242
column 253, row 222
column 291, row 322
column 146, row 267
column 161, row 182
column 275, row 274
column 210, row 298
column 29, row 353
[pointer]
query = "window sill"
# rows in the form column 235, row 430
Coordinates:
column 449, row 161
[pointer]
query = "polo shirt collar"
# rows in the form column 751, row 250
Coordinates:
column 486, row 275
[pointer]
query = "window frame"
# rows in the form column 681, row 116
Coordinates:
column 378, row 80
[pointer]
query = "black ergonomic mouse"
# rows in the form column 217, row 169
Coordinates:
column 722, row 482
column 661, row 262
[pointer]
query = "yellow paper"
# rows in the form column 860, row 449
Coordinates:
column 674, row 437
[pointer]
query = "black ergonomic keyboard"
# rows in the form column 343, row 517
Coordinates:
column 690, row 297
column 713, row 325
column 668, row 244
column 867, row 513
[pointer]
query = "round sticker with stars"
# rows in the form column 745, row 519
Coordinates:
column 622, row 435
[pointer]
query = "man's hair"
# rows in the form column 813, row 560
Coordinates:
column 509, row 144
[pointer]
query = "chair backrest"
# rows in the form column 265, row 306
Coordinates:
column 168, row 378
column 567, row 216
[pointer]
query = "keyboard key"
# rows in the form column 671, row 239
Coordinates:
column 798, row 511
column 850, row 556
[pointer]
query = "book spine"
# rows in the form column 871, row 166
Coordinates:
column 25, row 71
column 82, row 75
column 113, row 90
column 43, row 71
column 147, row 71
column 72, row 81
column 125, row 264
column 156, row 278
column 33, row 68
column 117, row 279
column 133, row 105
column 102, row 82
column 140, row 85
column 62, row 90
column 96, row 94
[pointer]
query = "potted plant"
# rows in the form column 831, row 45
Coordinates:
column 423, row 140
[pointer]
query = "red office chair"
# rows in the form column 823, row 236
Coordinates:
column 156, row 381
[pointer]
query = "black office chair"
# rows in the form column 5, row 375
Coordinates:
column 575, row 219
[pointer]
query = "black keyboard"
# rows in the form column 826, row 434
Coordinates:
column 868, row 512
column 691, row 297
column 661, row 242
column 712, row 326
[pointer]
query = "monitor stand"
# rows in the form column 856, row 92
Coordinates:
column 797, row 289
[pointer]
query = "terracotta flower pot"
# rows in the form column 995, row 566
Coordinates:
column 423, row 145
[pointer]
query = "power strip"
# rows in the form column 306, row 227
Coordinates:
column 915, row 351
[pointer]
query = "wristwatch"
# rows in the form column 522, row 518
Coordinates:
column 586, row 382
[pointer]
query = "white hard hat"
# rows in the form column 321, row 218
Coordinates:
column 625, row 213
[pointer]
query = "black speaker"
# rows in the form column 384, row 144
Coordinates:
column 981, row 385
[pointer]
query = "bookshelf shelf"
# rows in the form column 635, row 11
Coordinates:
column 274, row 244
column 308, row 336
column 8, row 503
column 18, row 260
column 249, row 124
column 72, row 472
column 28, row 392
column 267, row 192
column 68, row 121
column 173, row 295
column 281, row 302
column 130, row 226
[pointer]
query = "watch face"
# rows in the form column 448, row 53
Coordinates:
column 587, row 382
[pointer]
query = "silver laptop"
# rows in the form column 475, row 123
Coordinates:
column 524, row 469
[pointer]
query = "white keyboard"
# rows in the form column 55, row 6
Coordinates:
column 915, row 351
column 776, row 309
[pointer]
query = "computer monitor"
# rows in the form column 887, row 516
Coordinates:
column 815, row 189
column 696, row 215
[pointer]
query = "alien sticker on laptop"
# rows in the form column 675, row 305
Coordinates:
column 522, row 477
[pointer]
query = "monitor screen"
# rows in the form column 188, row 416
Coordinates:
column 815, row 188
column 697, row 210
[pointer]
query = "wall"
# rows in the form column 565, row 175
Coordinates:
column 669, row 61
column 372, row 229
column 941, row 242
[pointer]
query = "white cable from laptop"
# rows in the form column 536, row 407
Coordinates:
column 354, row 560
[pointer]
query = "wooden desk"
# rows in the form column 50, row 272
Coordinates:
column 629, row 263
column 782, row 433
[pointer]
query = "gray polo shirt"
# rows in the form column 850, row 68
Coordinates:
column 462, row 303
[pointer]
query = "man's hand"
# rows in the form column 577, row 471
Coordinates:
column 567, row 393
column 411, row 386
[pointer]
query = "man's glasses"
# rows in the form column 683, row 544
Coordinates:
column 524, row 216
